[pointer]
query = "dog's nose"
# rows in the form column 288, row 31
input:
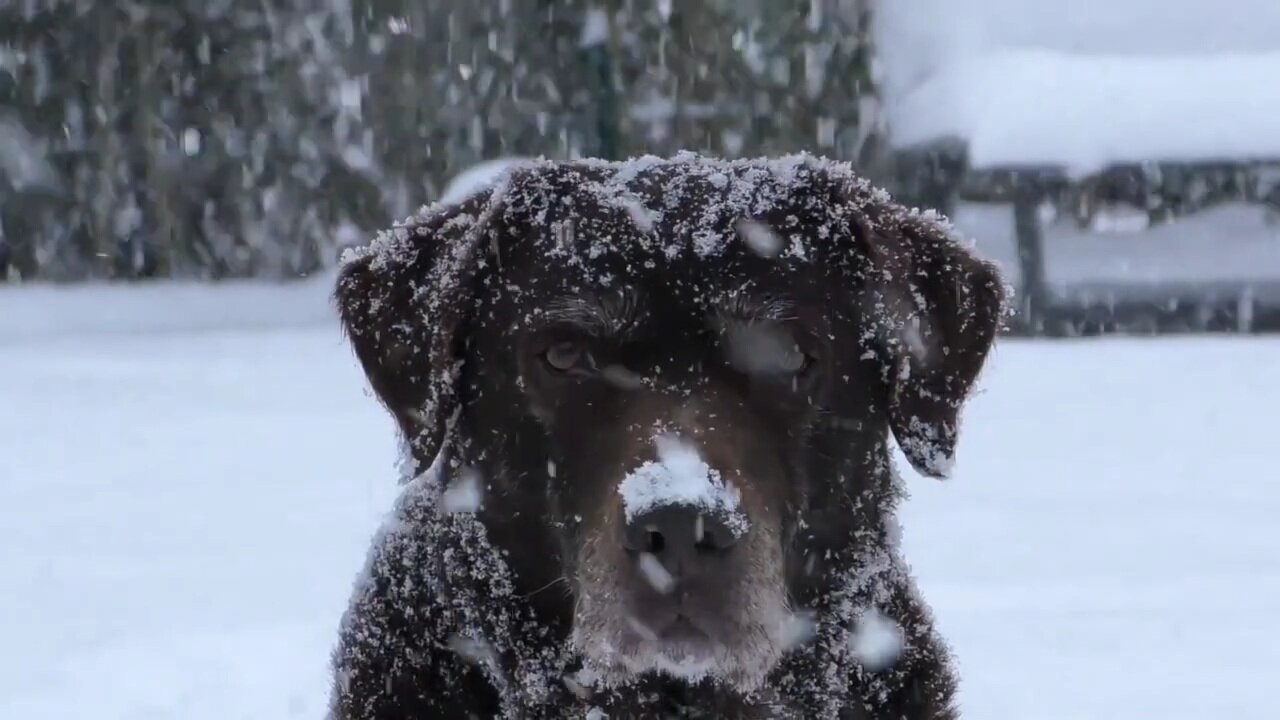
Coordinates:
column 676, row 533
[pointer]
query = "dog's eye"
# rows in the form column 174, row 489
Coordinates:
column 564, row 355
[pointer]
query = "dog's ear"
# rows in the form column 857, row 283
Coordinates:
column 939, row 308
column 404, row 302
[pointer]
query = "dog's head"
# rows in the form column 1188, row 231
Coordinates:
column 676, row 380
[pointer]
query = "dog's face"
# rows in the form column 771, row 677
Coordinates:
column 677, row 419
column 671, row 382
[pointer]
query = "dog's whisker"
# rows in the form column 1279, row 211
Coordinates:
column 562, row 579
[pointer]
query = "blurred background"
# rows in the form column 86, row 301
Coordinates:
column 191, row 469
column 1118, row 158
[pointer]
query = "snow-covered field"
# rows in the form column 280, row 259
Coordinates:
column 185, row 499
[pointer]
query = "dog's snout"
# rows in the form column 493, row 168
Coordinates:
column 675, row 533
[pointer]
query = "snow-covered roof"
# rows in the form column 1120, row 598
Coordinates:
column 1129, row 82
column 1083, row 112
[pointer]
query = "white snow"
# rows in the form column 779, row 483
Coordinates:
column 1032, row 106
column 680, row 477
column 798, row 629
column 398, row 25
column 1085, row 83
column 577, row 688
column 758, row 236
column 464, row 495
column 747, row 187
column 933, row 457
column 641, row 215
column 476, row 651
column 476, row 178
column 645, row 632
column 930, row 29
column 191, row 141
column 876, row 641
column 595, row 28
column 182, row 513
column 50, row 312
column 22, row 158
column 655, row 574
column 622, row 377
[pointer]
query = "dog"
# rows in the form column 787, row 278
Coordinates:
column 647, row 410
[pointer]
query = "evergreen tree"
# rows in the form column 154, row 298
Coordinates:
column 235, row 138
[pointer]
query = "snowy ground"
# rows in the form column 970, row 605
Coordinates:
column 182, row 510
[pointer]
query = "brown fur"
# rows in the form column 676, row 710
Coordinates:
column 485, row 613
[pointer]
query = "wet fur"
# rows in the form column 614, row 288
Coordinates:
column 428, row 309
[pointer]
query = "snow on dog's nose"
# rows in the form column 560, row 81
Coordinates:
column 681, row 515
column 680, row 477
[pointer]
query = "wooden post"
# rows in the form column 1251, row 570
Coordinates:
column 4, row 251
column 596, row 56
column 1034, row 291
column 1246, row 308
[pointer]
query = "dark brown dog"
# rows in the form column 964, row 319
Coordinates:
column 648, row 408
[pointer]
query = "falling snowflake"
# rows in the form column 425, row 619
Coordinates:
column 877, row 641
column 465, row 494
column 474, row 650
column 655, row 573
column 797, row 629
column 758, row 236
column 642, row 216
